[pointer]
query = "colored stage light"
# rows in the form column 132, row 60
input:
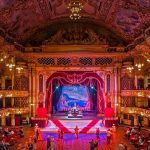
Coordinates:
column 57, row 87
column 92, row 87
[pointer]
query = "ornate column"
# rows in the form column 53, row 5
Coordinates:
column 3, row 82
column 33, row 77
column 13, row 119
column 119, row 92
column 135, row 81
column 3, row 102
column 115, row 90
column 30, row 91
column 32, row 86
column 35, row 91
column 12, row 102
column 3, row 120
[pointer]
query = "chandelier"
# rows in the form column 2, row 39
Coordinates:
column 130, row 68
column 75, row 8
column 139, row 66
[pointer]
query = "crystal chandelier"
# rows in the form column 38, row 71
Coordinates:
column 75, row 8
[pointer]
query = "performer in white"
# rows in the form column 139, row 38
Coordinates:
column 74, row 108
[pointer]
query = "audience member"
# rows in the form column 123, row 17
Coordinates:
column 108, row 136
column 92, row 144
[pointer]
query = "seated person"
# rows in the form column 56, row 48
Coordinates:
column 133, row 131
column 140, row 142
column 121, row 146
column 21, row 134
column 6, row 132
column 127, row 133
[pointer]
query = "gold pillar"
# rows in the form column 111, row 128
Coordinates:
column 3, row 120
column 13, row 79
column 119, row 93
column 32, row 89
column 115, row 91
column 135, row 81
column 34, row 82
column 13, row 119
column 3, row 102
column 12, row 102
column 3, row 82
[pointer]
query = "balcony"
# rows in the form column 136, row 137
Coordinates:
column 136, row 110
column 8, row 111
column 10, row 92
column 136, row 92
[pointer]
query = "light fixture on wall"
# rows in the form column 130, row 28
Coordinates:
column 147, row 56
column 3, row 56
column 130, row 68
column 11, row 63
column 75, row 7
column 139, row 66
column 19, row 69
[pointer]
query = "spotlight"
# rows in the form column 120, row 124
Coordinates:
column 92, row 87
column 57, row 87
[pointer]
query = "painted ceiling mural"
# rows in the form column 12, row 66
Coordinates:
column 23, row 18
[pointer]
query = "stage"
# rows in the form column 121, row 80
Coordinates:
column 85, row 126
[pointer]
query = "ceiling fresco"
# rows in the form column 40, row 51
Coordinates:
column 23, row 18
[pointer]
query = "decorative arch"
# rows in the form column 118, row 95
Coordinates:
column 75, row 78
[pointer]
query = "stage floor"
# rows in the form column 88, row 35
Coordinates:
column 85, row 126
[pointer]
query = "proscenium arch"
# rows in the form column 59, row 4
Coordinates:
column 72, row 78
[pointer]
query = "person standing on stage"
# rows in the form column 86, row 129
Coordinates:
column 76, row 131
column 61, row 134
column 97, row 133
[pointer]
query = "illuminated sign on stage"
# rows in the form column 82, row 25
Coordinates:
column 74, row 96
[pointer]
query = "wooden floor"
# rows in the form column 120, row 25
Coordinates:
column 71, row 143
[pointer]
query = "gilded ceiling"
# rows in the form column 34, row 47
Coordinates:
column 23, row 18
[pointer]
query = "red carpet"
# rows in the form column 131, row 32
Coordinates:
column 60, row 126
column 89, row 126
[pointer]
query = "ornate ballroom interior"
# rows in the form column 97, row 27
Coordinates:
column 48, row 43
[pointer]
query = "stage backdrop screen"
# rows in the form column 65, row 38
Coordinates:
column 72, row 96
